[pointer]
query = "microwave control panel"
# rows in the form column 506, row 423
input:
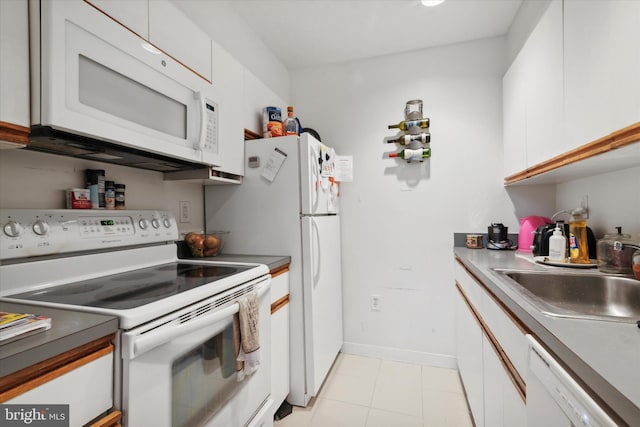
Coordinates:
column 211, row 135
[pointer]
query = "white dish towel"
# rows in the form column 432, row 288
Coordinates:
column 245, row 325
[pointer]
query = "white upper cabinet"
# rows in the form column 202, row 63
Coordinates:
column 602, row 68
column 532, row 96
column 544, row 74
column 174, row 33
column 14, row 73
column 514, row 107
column 228, row 83
column 133, row 14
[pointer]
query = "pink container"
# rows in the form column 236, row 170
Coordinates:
column 528, row 226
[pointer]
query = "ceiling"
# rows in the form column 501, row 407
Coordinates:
column 304, row 33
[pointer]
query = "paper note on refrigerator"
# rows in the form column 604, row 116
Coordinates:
column 274, row 164
column 343, row 168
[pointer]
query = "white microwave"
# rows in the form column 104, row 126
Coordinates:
column 101, row 92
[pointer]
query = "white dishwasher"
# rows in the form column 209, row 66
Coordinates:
column 556, row 399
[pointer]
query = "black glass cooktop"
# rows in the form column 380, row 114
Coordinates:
column 134, row 288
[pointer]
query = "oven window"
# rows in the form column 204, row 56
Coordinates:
column 111, row 92
column 203, row 380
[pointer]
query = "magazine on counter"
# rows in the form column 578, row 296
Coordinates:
column 14, row 325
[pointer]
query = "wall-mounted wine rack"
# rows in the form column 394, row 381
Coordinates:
column 413, row 135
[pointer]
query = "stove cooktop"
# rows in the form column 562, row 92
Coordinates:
column 134, row 288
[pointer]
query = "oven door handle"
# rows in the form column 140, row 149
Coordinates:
column 155, row 338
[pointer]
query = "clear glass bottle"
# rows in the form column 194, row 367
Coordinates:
column 578, row 245
column 290, row 123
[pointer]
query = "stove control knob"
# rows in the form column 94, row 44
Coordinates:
column 40, row 227
column 12, row 229
column 155, row 223
column 167, row 222
column 144, row 223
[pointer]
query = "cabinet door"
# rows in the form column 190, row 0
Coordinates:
column 514, row 112
column 469, row 354
column 544, row 81
column 602, row 68
column 533, row 96
column 228, row 83
column 177, row 35
column 494, row 376
column 14, row 72
column 279, row 338
column 133, row 14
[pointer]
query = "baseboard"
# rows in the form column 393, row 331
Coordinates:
column 400, row 355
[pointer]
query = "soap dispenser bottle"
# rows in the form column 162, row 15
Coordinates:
column 557, row 246
column 578, row 245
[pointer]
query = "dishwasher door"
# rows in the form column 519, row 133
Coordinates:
column 556, row 399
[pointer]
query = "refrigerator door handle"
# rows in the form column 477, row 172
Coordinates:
column 315, row 169
column 315, row 250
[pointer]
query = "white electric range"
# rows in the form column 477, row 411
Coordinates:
column 176, row 364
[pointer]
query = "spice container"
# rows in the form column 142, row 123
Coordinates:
column 109, row 195
column 119, row 192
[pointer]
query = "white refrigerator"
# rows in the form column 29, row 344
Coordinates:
column 287, row 204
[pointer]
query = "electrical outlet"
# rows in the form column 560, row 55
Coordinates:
column 375, row 302
column 584, row 204
column 185, row 211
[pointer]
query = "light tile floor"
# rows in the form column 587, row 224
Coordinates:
column 368, row 392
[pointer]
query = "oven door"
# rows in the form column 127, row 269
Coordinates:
column 100, row 80
column 180, row 370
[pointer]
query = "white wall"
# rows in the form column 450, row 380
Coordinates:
column 614, row 200
column 398, row 219
column 38, row 181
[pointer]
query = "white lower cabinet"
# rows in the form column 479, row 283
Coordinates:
column 469, row 344
column 279, row 338
column 491, row 381
column 85, row 384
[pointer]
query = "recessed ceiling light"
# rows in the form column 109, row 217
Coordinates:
column 431, row 3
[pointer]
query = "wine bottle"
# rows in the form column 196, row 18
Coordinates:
column 418, row 154
column 424, row 137
column 407, row 124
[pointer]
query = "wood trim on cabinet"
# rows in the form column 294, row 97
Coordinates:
column 14, row 133
column 617, row 139
column 280, row 270
column 277, row 305
column 112, row 419
column 160, row 49
column 511, row 370
column 28, row 378
column 249, row 134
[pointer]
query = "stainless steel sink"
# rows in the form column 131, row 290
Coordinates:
column 578, row 295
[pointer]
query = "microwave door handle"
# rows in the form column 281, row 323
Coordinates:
column 202, row 104
column 144, row 343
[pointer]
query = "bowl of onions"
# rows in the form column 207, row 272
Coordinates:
column 205, row 244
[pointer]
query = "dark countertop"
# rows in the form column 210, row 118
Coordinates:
column 69, row 329
column 603, row 356
column 273, row 262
